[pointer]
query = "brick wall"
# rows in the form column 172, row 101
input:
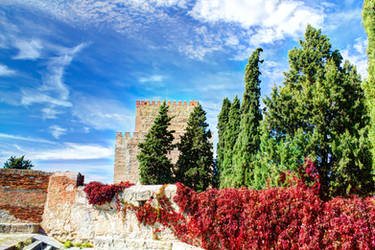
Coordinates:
column 23, row 194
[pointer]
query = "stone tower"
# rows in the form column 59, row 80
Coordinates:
column 126, row 149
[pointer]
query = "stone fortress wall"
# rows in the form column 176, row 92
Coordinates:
column 126, row 149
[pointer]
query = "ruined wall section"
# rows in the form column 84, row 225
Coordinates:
column 126, row 149
column 69, row 216
column 62, row 191
column 22, row 195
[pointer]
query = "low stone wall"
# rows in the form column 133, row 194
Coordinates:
column 22, row 195
column 68, row 216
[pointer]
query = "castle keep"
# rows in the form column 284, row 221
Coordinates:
column 126, row 149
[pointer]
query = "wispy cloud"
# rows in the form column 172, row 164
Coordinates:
column 152, row 78
column 57, row 131
column 103, row 114
column 73, row 151
column 53, row 81
column 51, row 113
column 92, row 170
column 24, row 138
column 28, row 49
column 30, row 96
column 207, row 26
column 356, row 54
column 5, row 71
column 53, row 92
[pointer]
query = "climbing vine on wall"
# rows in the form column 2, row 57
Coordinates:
column 98, row 193
column 289, row 217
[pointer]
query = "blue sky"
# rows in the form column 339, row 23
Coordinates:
column 71, row 71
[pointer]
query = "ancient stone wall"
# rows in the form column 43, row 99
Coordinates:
column 68, row 216
column 126, row 149
column 22, row 195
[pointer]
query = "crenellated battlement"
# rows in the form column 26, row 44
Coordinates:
column 129, row 135
column 170, row 103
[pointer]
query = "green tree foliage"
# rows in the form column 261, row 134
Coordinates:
column 320, row 113
column 154, row 165
column 195, row 163
column 247, row 144
column 369, row 85
column 18, row 163
column 223, row 119
column 230, row 136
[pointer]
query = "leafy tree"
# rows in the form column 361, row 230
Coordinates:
column 369, row 85
column 195, row 163
column 154, row 165
column 247, row 143
column 321, row 104
column 18, row 163
column 223, row 119
column 230, row 136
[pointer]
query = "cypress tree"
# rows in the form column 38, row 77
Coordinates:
column 223, row 119
column 369, row 85
column 230, row 136
column 322, row 104
column 195, row 163
column 154, row 165
column 247, row 144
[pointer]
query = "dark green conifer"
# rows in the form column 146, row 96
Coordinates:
column 322, row 105
column 154, row 165
column 247, row 143
column 195, row 163
column 230, row 136
column 223, row 119
column 369, row 85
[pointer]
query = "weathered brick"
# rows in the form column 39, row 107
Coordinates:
column 23, row 193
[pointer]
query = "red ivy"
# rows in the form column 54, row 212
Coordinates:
column 277, row 218
column 292, row 217
column 98, row 193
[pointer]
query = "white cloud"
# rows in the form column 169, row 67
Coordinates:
column 271, row 20
column 103, row 114
column 356, row 54
column 53, row 91
column 233, row 25
column 53, row 79
column 57, row 131
column 28, row 49
column 5, row 71
column 50, row 113
column 32, row 96
column 343, row 18
column 23, row 138
column 73, row 151
column 273, row 71
column 152, row 78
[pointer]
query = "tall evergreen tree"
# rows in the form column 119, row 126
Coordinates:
column 369, row 85
column 230, row 136
column 154, row 165
column 195, row 163
column 247, row 144
column 223, row 119
column 322, row 104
